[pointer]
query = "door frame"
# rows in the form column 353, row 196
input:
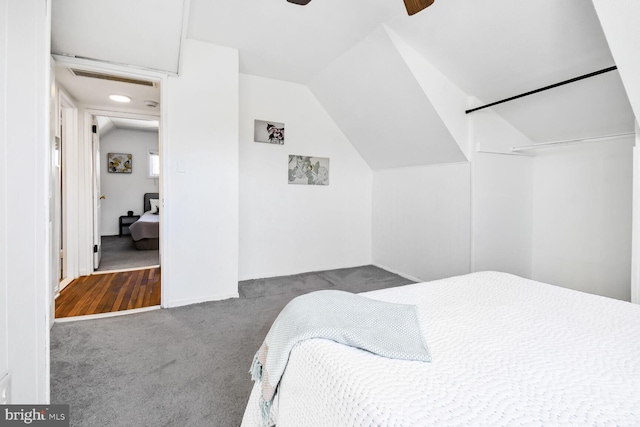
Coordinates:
column 96, row 177
column 90, row 115
column 84, row 155
column 635, row 222
column 69, row 114
column 55, row 194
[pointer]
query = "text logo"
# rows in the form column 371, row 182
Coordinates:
column 34, row 415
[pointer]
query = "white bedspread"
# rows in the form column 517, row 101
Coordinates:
column 147, row 227
column 506, row 351
column 149, row 217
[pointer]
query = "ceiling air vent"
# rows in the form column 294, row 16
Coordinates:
column 101, row 76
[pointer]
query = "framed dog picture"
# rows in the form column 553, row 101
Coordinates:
column 269, row 132
column 119, row 163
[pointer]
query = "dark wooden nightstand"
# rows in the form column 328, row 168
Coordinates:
column 125, row 222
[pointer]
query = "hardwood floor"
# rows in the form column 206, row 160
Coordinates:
column 109, row 292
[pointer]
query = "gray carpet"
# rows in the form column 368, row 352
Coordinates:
column 184, row 366
column 119, row 253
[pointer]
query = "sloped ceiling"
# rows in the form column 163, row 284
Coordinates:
column 490, row 50
column 377, row 102
column 620, row 23
column 143, row 33
column 498, row 49
column 588, row 108
column 493, row 50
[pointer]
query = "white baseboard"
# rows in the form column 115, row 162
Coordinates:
column 63, row 284
column 406, row 276
column 105, row 315
column 122, row 270
column 198, row 300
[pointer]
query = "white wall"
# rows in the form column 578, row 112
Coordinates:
column 287, row 229
column 4, row 202
column 490, row 132
column 619, row 22
column 502, row 213
column 24, row 207
column 635, row 238
column 124, row 192
column 502, row 196
column 421, row 220
column 200, row 177
column 499, row 202
column 582, row 217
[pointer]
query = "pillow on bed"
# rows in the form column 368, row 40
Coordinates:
column 155, row 205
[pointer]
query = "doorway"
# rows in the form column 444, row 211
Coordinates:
column 117, row 149
column 127, row 178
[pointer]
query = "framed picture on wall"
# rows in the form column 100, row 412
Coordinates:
column 307, row 170
column 119, row 163
column 269, row 132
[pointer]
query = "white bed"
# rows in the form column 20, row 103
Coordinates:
column 506, row 351
column 145, row 232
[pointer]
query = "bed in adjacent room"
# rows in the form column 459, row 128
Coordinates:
column 145, row 232
column 505, row 351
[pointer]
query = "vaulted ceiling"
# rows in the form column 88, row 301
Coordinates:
column 490, row 50
column 373, row 96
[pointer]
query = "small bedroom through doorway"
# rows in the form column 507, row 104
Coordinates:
column 129, row 193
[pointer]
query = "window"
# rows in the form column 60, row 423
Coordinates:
column 153, row 165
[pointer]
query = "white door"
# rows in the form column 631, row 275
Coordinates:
column 97, row 196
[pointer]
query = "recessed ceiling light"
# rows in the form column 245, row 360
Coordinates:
column 120, row 98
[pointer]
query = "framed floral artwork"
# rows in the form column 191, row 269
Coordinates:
column 119, row 163
column 307, row 170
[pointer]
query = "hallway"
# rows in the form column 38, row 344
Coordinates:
column 109, row 292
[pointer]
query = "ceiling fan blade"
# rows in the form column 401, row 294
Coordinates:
column 300, row 2
column 415, row 6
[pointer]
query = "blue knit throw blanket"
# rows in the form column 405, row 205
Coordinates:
column 383, row 328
